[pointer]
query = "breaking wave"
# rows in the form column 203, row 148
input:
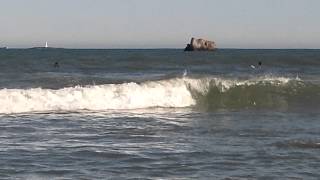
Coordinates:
column 205, row 93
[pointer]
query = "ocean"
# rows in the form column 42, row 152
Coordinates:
column 159, row 114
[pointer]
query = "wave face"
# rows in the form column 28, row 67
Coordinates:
column 265, row 92
column 205, row 93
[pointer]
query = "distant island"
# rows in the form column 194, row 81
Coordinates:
column 200, row 45
column 45, row 47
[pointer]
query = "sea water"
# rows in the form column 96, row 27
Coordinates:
column 159, row 114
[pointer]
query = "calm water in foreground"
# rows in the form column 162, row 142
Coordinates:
column 159, row 114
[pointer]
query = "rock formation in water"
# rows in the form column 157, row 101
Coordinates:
column 200, row 45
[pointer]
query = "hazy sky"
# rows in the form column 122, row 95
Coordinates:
column 160, row 23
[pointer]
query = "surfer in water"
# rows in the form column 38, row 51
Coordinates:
column 254, row 67
column 56, row 65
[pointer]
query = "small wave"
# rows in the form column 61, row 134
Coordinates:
column 260, row 92
column 208, row 93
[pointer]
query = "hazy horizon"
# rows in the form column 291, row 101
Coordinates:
column 247, row 24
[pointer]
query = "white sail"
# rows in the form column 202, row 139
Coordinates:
column 46, row 45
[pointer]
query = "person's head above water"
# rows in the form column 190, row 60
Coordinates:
column 56, row 65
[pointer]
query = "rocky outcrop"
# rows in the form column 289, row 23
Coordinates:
column 200, row 45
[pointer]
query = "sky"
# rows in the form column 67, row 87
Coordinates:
column 160, row 23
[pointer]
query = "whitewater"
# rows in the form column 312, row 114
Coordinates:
column 168, row 93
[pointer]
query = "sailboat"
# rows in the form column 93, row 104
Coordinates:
column 46, row 46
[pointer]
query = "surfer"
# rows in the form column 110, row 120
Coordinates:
column 56, row 65
column 254, row 67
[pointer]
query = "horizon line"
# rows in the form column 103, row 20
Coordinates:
column 172, row 48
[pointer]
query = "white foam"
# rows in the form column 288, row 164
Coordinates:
column 165, row 93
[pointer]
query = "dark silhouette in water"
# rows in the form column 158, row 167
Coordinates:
column 56, row 65
column 259, row 64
